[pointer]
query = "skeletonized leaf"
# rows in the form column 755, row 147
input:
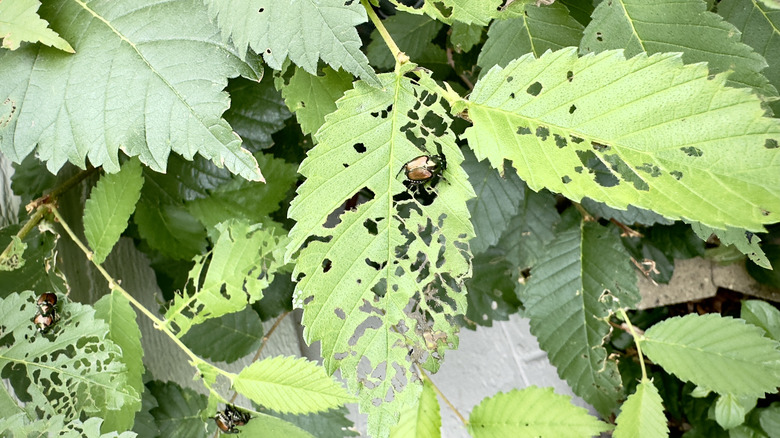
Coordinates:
column 745, row 241
column 303, row 30
column 642, row 414
column 600, row 126
column 568, row 298
column 422, row 420
column 147, row 87
column 719, row 353
column 109, row 206
column 313, row 97
column 655, row 26
column 380, row 284
column 22, row 23
column 536, row 31
column 289, row 384
column 532, row 411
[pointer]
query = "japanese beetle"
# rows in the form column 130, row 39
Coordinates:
column 231, row 417
column 43, row 322
column 46, row 303
column 424, row 168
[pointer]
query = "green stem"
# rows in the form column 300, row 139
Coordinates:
column 399, row 56
column 635, row 335
column 441, row 394
column 28, row 226
column 158, row 323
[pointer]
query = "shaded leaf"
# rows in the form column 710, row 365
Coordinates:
column 465, row 36
column 256, row 111
column 584, row 273
column 745, row 241
column 289, row 384
column 313, row 97
column 629, row 216
column 110, row 204
column 642, row 414
column 40, row 272
column 730, row 410
column 227, row 338
column 656, row 26
column 331, row 424
column 22, row 23
column 130, row 84
column 571, row 125
column 719, row 353
column 170, row 229
column 412, row 34
column 303, row 30
column 529, row 232
column 177, row 411
column 532, row 411
column 491, row 289
column 267, row 425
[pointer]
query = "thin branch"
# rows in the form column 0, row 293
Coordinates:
column 441, row 394
column 635, row 335
column 399, row 56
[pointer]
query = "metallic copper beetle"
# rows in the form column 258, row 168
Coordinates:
column 231, row 417
column 423, row 169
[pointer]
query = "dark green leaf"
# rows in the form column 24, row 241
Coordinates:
column 170, row 229
column 227, row 338
column 529, row 232
column 630, row 216
column 491, row 289
column 178, row 411
column 331, row 424
column 256, row 111
column 412, row 34
column 465, row 36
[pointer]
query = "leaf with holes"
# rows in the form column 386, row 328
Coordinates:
column 422, row 420
column 21, row 23
column 656, row 26
column 131, row 86
column 449, row 11
column 745, row 241
column 381, row 284
column 303, row 30
column 290, row 385
column 313, row 97
column 243, row 263
column 601, row 126
column 584, row 274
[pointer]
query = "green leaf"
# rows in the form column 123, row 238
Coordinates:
column 745, row 241
column 130, row 85
column 772, row 4
column 22, row 23
column 72, row 369
column 115, row 310
column 491, row 288
column 498, row 200
column 532, row 411
column 583, row 275
column 392, row 261
column 579, row 10
column 177, row 410
column 719, row 353
column 764, row 315
column 267, row 425
column 183, row 181
column 536, row 31
column 289, row 384
column 448, row 11
column 656, row 26
column 630, row 216
column 730, row 410
column 770, row 420
column 40, row 272
column 760, row 28
column 465, row 36
column 412, row 34
column 303, row 30
column 247, row 200
column 243, row 262
column 313, row 97
column 227, row 338
column 256, row 111
column 331, row 424
column 642, row 414
column 529, row 232
column 170, row 229
column 769, row 276
column 109, row 206
column 599, row 126
column 422, row 420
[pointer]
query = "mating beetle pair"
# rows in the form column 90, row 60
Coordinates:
column 47, row 311
column 231, row 417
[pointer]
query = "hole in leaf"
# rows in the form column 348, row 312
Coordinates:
column 268, row 50
column 326, row 265
column 578, row 169
column 412, row 114
column 534, row 89
column 427, row 98
column 771, row 143
column 510, row 78
column 601, row 174
column 569, row 75
column 653, row 170
column 261, row 10
column 692, row 151
column 765, row 212
column 572, row 109
column 560, row 141
column 601, row 147
column 565, row 179
column 522, row 130
column 512, row 95
column 345, row 165
column 676, row 174
column 359, row 147
column 576, row 139
column 340, row 313
column 375, row 265
column 308, row 299
column 444, row 9
column 542, row 132
column 370, row 226
column 435, row 123
column 372, row 322
column 340, row 356
column 598, row 37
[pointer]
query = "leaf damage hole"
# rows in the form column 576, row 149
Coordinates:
column 534, row 89
column 565, row 179
column 771, row 143
column 308, row 299
column 512, row 95
column 268, row 51
column 560, row 141
column 765, row 212
column 427, row 98
column 260, row 10
column 692, row 151
column 578, row 169
column 601, row 174
column 577, row 140
column 372, row 322
column 435, row 123
column 444, row 9
column 569, row 75
column 345, row 165
column 523, row 130
column 326, row 265
column 572, row 109
column 510, row 79
column 371, row 227
column 542, row 132
column 340, row 313
column 653, row 170
column 383, row 113
column 601, row 147
column 359, row 147
column 375, row 265
column 599, row 36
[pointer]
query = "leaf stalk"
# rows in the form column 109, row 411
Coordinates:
column 400, row 57
column 637, row 342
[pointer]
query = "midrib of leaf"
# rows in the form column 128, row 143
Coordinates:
column 156, row 73
column 631, row 23
column 699, row 350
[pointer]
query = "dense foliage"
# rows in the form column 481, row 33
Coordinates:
column 399, row 170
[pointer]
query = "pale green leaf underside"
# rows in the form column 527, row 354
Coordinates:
column 109, row 206
column 312, row 97
column 145, row 87
column 20, row 22
column 565, row 302
column 448, row 11
column 532, row 412
column 537, row 30
column 747, row 243
column 656, row 26
column 303, row 30
column 642, row 415
column 422, row 420
column 368, row 279
column 289, row 384
column 719, row 353
column 646, row 131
